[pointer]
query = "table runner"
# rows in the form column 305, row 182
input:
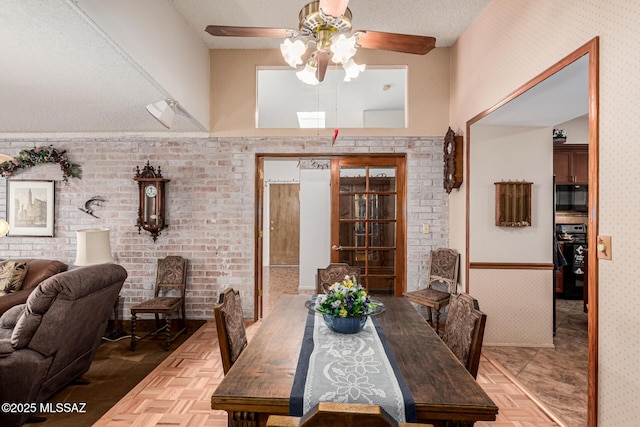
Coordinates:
column 349, row 368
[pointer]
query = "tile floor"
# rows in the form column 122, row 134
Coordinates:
column 557, row 376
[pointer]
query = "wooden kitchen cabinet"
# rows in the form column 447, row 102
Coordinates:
column 571, row 164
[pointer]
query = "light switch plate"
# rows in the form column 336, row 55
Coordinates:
column 426, row 229
column 603, row 247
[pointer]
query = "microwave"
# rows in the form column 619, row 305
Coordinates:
column 572, row 198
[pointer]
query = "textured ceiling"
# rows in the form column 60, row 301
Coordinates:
column 60, row 73
column 443, row 19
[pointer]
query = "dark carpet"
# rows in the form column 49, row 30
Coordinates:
column 114, row 372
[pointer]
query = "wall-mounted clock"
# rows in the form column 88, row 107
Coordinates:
column 452, row 161
column 151, row 194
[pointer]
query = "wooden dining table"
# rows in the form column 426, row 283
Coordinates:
column 260, row 381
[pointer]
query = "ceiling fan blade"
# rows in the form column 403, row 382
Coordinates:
column 221, row 30
column 334, row 8
column 418, row 45
column 323, row 62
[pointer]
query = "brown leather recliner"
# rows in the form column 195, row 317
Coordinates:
column 37, row 271
column 52, row 339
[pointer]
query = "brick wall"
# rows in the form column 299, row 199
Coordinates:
column 210, row 206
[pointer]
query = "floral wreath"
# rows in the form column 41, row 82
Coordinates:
column 37, row 155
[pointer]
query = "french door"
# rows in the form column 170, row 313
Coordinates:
column 368, row 220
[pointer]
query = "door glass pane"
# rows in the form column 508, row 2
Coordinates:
column 367, row 224
column 385, row 206
column 382, row 179
column 353, row 179
column 382, row 234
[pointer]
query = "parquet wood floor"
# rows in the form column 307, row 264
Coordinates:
column 178, row 391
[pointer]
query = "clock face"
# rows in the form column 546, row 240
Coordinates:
column 151, row 191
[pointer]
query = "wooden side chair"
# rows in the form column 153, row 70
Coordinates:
column 334, row 273
column 341, row 414
column 441, row 283
column 464, row 331
column 169, row 296
column 232, row 335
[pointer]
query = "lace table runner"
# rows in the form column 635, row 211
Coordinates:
column 349, row 368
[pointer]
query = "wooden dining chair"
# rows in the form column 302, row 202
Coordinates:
column 232, row 336
column 464, row 331
column 441, row 283
column 169, row 297
column 334, row 273
column 341, row 414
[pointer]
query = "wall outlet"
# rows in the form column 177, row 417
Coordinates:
column 426, row 229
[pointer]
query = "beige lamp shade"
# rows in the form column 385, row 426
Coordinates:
column 93, row 247
column 4, row 227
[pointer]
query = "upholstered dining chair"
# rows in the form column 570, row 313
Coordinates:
column 464, row 330
column 232, row 336
column 441, row 283
column 334, row 273
column 169, row 296
column 341, row 414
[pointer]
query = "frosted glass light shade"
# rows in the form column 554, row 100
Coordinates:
column 4, row 227
column 308, row 75
column 292, row 52
column 93, row 247
column 351, row 70
column 343, row 48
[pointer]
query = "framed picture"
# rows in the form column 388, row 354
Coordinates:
column 30, row 208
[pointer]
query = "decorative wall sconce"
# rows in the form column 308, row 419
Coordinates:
column 151, row 194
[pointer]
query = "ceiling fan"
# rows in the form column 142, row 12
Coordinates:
column 326, row 24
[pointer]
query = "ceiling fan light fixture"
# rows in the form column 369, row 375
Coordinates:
column 343, row 48
column 352, row 70
column 163, row 111
column 308, row 74
column 292, row 51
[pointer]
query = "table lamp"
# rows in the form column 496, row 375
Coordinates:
column 93, row 247
column 4, row 227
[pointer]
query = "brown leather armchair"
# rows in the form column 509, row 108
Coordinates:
column 37, row 271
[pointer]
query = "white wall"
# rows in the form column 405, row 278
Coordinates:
column 315, row 224
column 518, row 303
column 516, row 154
column 165, row 46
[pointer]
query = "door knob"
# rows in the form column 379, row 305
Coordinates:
column 336, row 248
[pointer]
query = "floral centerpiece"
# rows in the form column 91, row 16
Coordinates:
column 346, row 306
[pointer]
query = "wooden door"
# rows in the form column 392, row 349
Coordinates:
column 368, row 220
column 284, row 224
